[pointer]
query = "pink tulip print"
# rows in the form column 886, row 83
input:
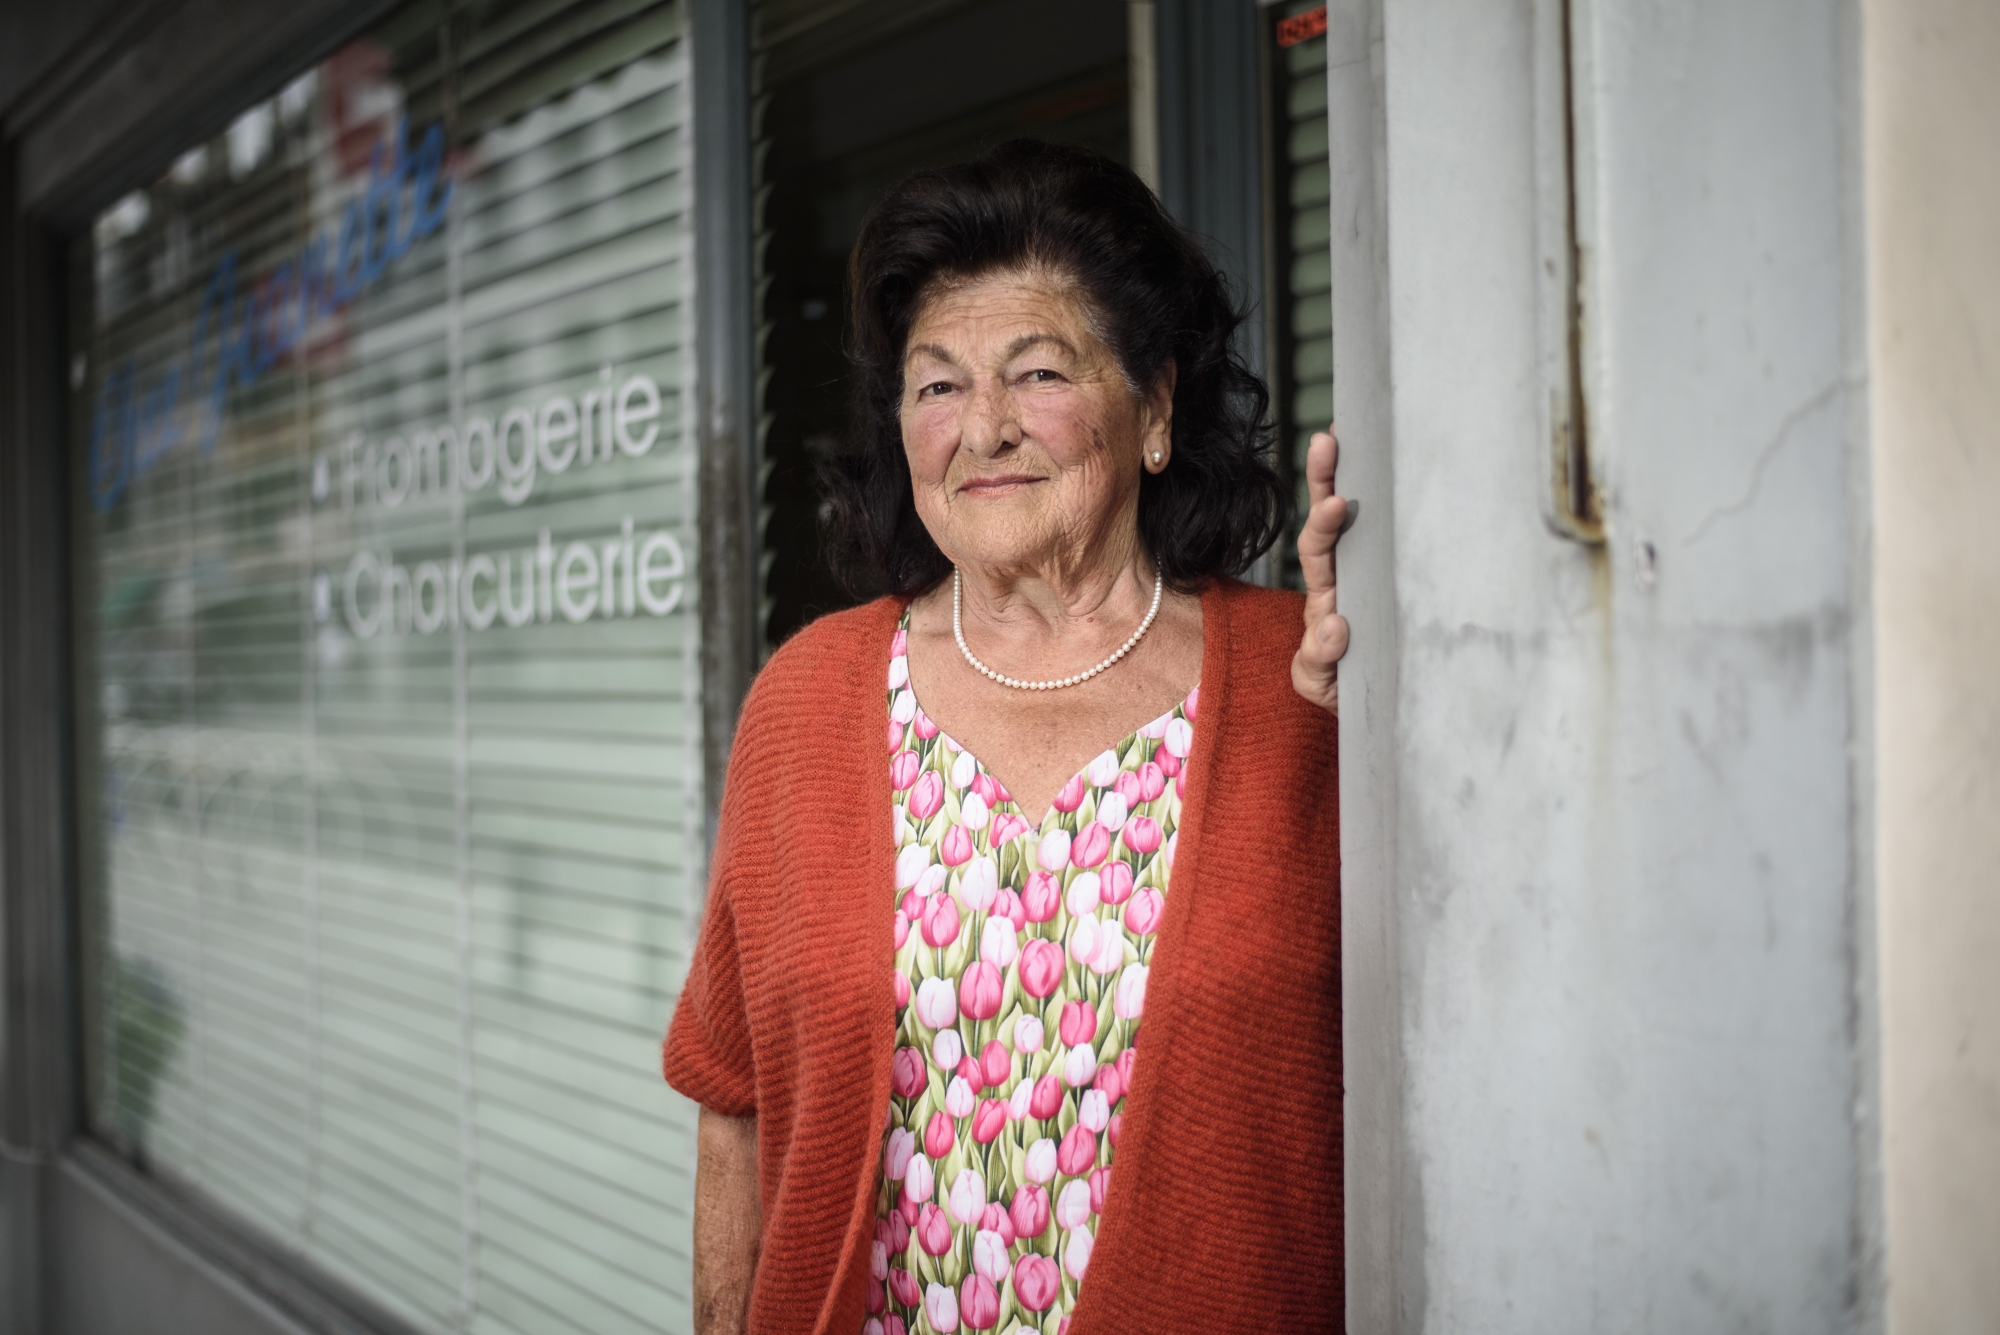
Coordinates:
column 1072, row 1205
column 896, row 1158
column 1021, row 953
column 1041, row 1162
column 1077, row 1153
column 1142, row 835
column 1076, row 1252
column 906, row 1074
column 1092, row 842
column 1046, row 1099
column 919, row 1180
column 933, row 1231
column 1100, row 1187
column 996, row 1220
column 1029, row 1211
column 989, row 1121
column 937, row 1003
column 1041, row 968
column 941, row 1134
column 1041, row 897
column 1108, row 1083
column 1053, row 851
column 1079, row 1023
column 1115, row 886
column 1036, row 1282
column 968, row 1198
column 1142, row 913
column 941, row 920
column 926, row 795
column 978, row 1303
column 941, row 1306
column 999, row 943
column 1071, row 796
column 979, row 990
column 995, row 1066
column 955, row 849
column 960, row 1098
column 989, row 1254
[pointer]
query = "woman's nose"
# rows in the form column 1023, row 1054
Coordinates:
column 991, row 423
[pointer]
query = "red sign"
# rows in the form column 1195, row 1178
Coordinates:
column 1302, row 27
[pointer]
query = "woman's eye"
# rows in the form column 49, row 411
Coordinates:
column 1044, row 376
column 936, row 387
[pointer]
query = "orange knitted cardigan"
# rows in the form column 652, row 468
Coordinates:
column 1225, row 1204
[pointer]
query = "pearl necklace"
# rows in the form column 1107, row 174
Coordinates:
column 958, row 630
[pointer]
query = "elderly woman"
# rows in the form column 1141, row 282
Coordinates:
column 1017, row 1005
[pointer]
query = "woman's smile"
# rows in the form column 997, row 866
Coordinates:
column 1005, row 484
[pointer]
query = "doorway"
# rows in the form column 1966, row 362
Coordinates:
column 849, row 99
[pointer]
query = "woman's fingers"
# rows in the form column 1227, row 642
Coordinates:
column 1325, row 516
column 1315, row 667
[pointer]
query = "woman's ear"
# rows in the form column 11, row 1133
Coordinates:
column 1157, row 419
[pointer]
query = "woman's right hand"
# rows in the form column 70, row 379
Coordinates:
column 1316, row 665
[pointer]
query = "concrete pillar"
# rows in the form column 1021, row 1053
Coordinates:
column 1609, row 951
column 1933, row 120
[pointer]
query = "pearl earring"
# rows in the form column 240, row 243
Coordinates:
column 1156, row 456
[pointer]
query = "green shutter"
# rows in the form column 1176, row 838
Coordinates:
column 1302, row 372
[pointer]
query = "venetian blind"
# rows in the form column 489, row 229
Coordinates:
column 392, row 765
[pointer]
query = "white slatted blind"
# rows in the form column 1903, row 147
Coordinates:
column 388, row 908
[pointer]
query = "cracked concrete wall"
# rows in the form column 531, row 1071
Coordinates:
column 1933, row 120
column 1618, row 840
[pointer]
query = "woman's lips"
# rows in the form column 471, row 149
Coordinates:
column 993, row 484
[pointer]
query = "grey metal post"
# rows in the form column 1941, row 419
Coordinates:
column 725, row 376
column 37, row 959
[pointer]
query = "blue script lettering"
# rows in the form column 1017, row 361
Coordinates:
column 237, row 338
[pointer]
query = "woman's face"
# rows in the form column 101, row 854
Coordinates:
column 1025, row 443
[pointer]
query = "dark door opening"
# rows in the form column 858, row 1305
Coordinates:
column 851, row 98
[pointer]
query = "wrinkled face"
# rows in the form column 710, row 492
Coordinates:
column 1025, row 442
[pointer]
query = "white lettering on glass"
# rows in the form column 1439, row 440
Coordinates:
column 614, row 579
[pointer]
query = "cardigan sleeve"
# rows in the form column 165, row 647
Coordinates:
column 708, row 1054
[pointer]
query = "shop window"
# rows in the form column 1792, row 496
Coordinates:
column 390, row 725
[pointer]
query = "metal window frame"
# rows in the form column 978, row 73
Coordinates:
column 725, row 381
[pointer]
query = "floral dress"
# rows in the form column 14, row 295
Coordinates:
column 1021, row 963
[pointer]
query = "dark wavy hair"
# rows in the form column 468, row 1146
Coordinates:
column 1152, row 295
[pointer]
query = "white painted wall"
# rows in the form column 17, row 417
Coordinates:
column 1605, row 901
column 1933, row 123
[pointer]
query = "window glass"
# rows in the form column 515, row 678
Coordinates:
column 390, row 738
